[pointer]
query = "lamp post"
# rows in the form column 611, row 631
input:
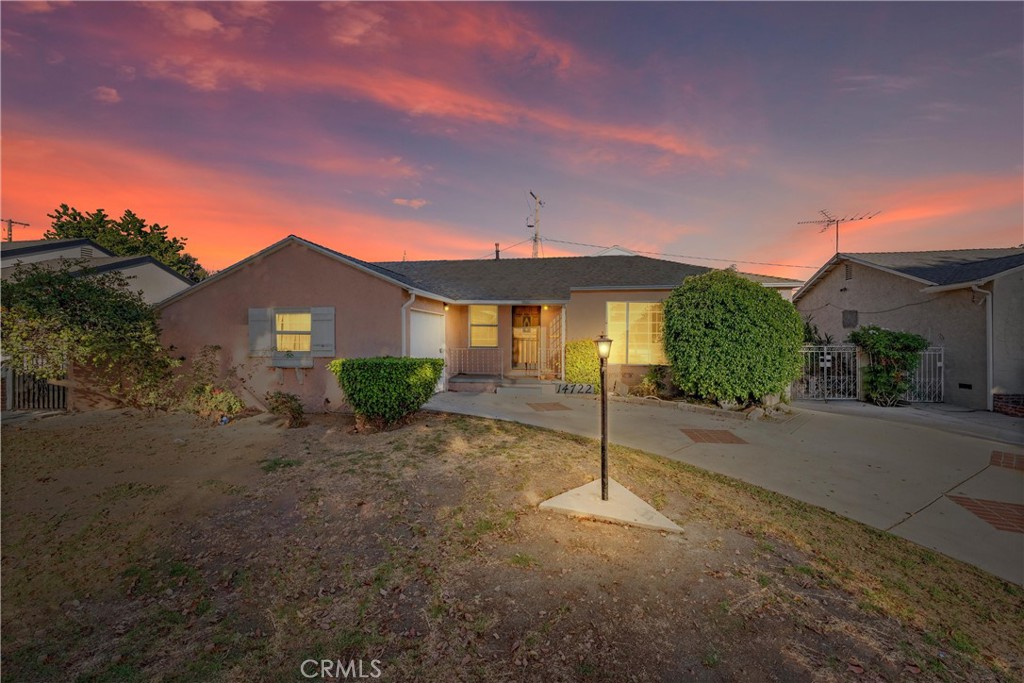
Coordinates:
column 604, row 349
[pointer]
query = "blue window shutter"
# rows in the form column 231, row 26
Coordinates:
column 261, row 331
column 322, row 344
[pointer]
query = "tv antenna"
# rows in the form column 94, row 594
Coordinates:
column 828, row 220
column 10, row 227
column 534, row 222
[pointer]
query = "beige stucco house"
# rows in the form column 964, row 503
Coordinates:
column 970, row 302
column 281, row 315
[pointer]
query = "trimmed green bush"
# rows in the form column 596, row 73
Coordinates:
column 894, row 357
column 582, row 364
column 730, row 339
column 385, row 390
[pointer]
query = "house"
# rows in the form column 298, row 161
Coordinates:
column 153, row 279
column 279, row 316
column 970, row 302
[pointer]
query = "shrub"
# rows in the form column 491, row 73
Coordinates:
column 57, row 317
column 287, row 406
column 582, row 364
column 654, row 383
column 894, row 357
column 385, row 390
column 730, row 339
column 210, row 399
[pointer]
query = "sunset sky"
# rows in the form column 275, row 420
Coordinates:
column 382, row 130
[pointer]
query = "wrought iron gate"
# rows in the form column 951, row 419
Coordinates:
column 830, row 373
column 926, row 385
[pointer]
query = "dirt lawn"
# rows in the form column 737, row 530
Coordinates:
column 138, row 548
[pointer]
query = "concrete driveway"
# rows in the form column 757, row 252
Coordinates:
column 956, row 486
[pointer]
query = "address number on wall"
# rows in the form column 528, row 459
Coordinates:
column 575, row 388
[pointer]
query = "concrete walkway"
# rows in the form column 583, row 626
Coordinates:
column 929, row 480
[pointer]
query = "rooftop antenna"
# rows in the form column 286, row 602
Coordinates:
column 535, row 222
column 10, row 227
column 828, row 220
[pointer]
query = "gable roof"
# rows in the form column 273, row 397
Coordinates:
column 550, row 279
column 101, row 264
column 947, row 269
column 366, row 267
column 25, row 247
column 546, row 280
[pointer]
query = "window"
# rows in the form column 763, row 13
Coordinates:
column 483, row 326
column 637, row 332
column 850, row 319
column 293, row 331
column 292, row 337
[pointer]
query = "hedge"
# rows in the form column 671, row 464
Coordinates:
column 731, row 339
column 386, row 389
column 582, row 364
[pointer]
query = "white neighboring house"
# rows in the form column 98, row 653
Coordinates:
column 153, row 279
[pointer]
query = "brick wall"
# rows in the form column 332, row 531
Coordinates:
column 1008, row 404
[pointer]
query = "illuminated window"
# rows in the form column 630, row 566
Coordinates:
column 637, row 332
column 483, row 326
column 293, row 331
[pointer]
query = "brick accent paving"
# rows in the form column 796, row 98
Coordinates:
column 542, row 407
column 1013, row 461
column 712, row 436
column 1003, row 516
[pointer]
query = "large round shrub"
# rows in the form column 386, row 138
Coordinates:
column 730, row 339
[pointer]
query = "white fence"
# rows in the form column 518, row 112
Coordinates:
column 926, row 386
column 830, row 374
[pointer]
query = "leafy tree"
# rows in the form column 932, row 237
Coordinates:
column 54, row 317
column 130, row 235
column 730, row 339
column 894, row 357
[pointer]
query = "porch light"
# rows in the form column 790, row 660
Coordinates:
column 604, row 349
column 446, row 307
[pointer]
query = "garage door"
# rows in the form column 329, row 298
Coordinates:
column 426, row 331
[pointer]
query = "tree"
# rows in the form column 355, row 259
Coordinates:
column 55, row 317
column 730, row 339
column 128, row 236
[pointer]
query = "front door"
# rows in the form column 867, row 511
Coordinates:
column 525, row 337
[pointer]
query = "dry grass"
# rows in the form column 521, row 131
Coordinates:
column 142, row 548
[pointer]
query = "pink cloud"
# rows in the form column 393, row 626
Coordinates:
column 106, row 94
column 411, row 203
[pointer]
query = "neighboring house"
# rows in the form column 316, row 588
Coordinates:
column 970, row 302
column 282, row 314
column 153, row 279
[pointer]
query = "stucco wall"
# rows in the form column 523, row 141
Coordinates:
column 367, row 315
column 155, row 282
column 954, row 320
column 1008, row 334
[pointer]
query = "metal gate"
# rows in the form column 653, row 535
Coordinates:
column 24, row 391
column 926, row 385
column 830, row 373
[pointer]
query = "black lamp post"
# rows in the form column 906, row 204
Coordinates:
column 604, row 349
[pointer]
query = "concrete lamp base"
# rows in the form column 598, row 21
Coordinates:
column 622, row 506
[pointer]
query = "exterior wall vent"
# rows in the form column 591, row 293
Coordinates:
column 848, row 270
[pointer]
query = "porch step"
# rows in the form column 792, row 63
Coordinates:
column 525, row 390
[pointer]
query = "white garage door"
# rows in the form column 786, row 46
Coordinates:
column 426, row 331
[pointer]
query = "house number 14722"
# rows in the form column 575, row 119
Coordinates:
column 575, row 388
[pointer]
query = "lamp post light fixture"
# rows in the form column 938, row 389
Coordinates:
column 604, row 349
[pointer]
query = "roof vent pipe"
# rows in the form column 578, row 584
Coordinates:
column 497, row 252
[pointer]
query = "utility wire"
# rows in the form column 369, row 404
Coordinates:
column 698, row 258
